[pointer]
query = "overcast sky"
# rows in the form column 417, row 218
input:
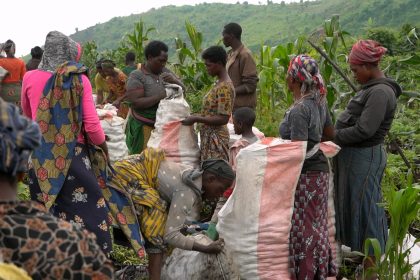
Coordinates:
column 28, row 22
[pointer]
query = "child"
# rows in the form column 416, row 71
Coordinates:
column 243, row 120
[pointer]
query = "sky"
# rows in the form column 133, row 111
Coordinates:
column 30, row 21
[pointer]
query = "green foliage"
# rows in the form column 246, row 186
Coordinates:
column 273, row 94
column 191, row 68
column 138, row 37
column 403, row 208
column 90, row 56
column 385, row 36
column 23, row 191
column 272, row 24
column 126, row 256
column 333, row 36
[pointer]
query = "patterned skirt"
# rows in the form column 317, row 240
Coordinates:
column 358, row 176
column 214, row 142
column 310, row 251
column 80, row 200
column 11, row 93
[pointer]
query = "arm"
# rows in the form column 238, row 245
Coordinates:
column 22, row 70
column 299, row 123
column 25, row 104
column 135, row 93
column 99, row 90
column 171, row 78
column 366, row 126
column 208, row 120
column 329, row 131
column 91, row 121
column 139, row 101
column 99, row 96
column 181, row 205
column 222, row 104
column 249, row 76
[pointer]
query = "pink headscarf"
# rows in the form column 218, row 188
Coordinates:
column 366, row 52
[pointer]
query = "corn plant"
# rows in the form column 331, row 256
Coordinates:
column 90, row 55
column 136, row 40
column 333, row 36
column 273, row 94
column 403, row 207
column 189, row 64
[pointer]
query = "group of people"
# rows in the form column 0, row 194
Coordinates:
column 69, row 156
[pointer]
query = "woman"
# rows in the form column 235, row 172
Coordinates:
column 115, row 80
column 308, row 120
column 217, row 107
column 102, row 90
column 58, row 95
column 360, row 131
column 145, row 88
column 12, row 83
column 130, row 63
column 36, row 55
column 31, row 238
column 166, row 196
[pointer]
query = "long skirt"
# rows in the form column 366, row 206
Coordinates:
column 80, row 200
column 214, row 142
column 137, row 135
column 358, row 175
column 310, row 251
column 11, row 93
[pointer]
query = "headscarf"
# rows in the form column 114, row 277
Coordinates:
column 366, row 52
column 59, row 116
column 18, row 137
column 8, row 45
column 58, row 49
column 305, row 69
column 107, row 64
column 218, row 167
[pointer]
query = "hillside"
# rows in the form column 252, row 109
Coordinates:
column 271, row 23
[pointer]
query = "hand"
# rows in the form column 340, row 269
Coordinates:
column 116, row 103
column 215, row 247
column 162, row 94
column 169, row 78
column 190, row 120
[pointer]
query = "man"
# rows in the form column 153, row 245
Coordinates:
column 241, row 67
column 36, row 54
column 130, row 63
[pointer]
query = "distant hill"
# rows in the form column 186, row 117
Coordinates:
column 269, row 23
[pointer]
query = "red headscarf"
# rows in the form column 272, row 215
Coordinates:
column 366, row 52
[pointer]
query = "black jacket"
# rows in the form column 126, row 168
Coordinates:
column 369, row 114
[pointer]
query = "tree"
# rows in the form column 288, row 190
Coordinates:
column 384, row 36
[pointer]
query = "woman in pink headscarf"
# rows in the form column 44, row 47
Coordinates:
column 359, row 166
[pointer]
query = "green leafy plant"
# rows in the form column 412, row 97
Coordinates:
column 190, row 66
column 273, row 94
column 138, row 37
column 403, row 207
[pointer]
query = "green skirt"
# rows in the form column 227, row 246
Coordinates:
column 11, row 92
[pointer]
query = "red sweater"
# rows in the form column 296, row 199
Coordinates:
column 15, row 67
